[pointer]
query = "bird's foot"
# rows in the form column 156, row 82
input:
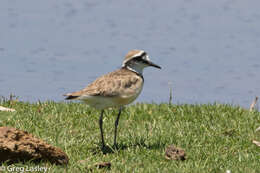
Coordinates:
column 115, row 146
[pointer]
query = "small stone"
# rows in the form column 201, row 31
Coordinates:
column 6, row 109
column 83, row 161
column 256, row 142
column 103, row 165
column 174, row 153
column 17, row 145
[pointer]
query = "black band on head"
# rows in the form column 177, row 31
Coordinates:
column 140, row 56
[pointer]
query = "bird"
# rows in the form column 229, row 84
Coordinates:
column 116, row 89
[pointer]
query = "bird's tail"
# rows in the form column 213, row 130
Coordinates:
column 71, row 96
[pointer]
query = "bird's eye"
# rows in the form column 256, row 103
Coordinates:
column 142, row 58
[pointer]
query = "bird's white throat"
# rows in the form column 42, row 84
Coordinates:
column 136, row 67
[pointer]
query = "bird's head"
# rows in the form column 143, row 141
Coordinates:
column 137, row 60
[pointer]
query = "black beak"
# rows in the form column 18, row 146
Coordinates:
column 153, row 65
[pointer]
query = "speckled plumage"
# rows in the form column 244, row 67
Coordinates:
column 121, row 87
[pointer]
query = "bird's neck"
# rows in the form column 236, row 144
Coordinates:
column 137, row 68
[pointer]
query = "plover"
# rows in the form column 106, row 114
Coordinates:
column 117, row 88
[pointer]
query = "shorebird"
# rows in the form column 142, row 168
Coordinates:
column 117, row 88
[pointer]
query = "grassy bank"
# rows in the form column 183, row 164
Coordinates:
column 215, row 137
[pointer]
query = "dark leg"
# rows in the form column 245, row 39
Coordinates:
column 101, row 128
column 116, row 124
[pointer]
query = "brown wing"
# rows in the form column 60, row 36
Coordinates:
column 120, row 82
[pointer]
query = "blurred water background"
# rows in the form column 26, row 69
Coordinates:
column 209, row 50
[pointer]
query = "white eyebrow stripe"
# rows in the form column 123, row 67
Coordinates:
column 138, row 54
column 141, row 53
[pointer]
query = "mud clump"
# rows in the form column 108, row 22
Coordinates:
column 174, row 153
column 17, row 145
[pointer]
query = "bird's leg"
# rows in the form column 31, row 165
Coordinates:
column 101, row 128
column 116, row 124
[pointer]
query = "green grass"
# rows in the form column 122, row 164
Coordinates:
column 215, row 137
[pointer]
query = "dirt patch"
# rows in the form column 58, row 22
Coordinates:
column 17, row 145
column 174, row 153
